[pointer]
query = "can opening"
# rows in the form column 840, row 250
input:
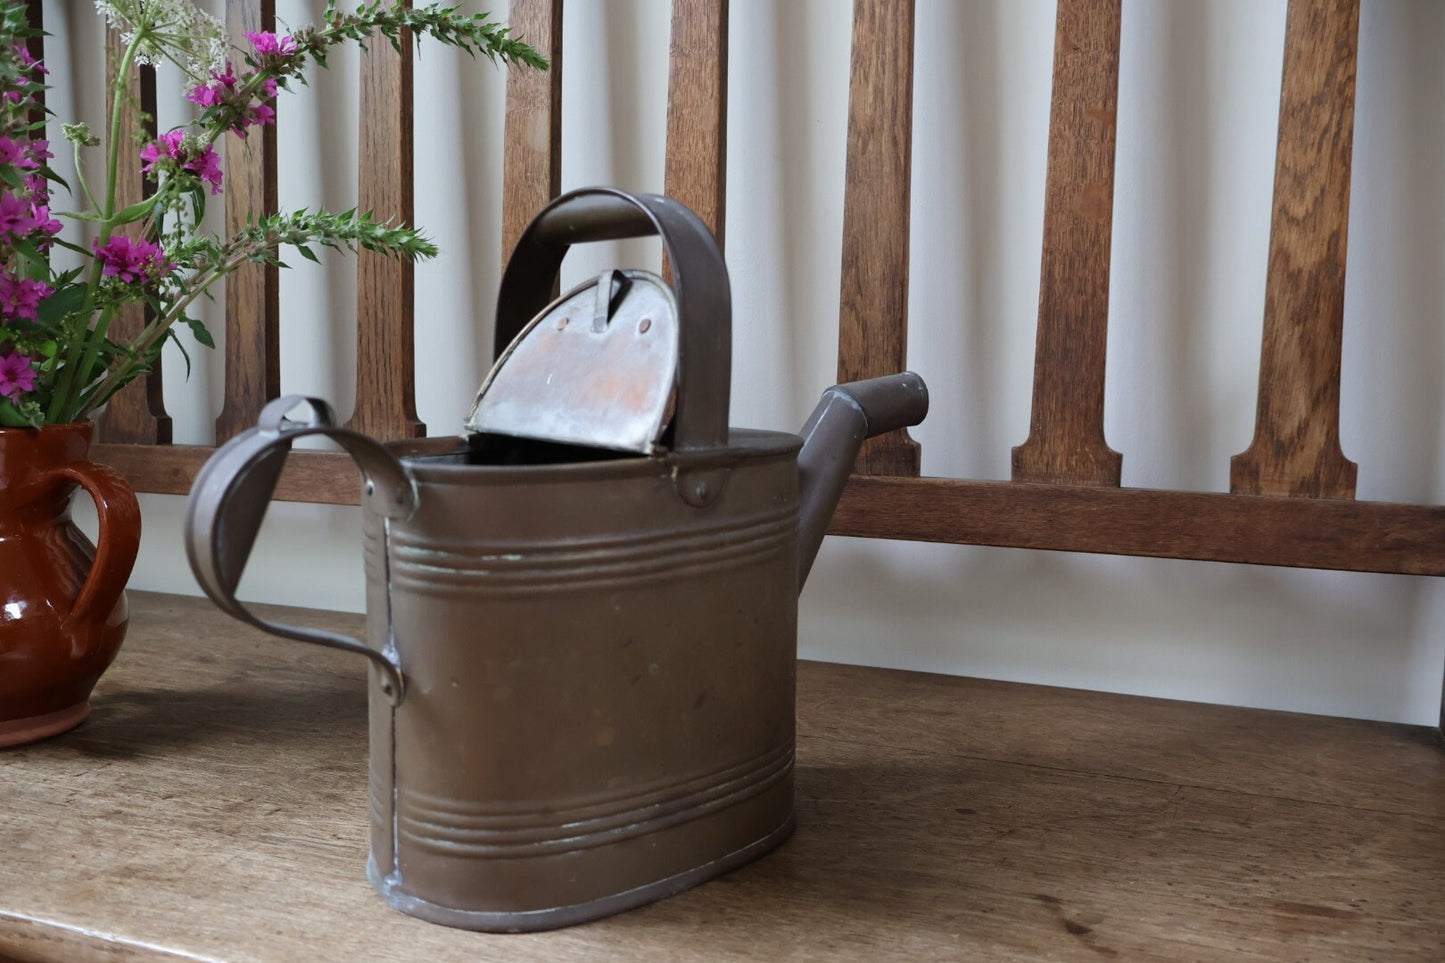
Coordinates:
column 489, row 449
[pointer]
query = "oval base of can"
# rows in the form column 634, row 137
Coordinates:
column 531, row 921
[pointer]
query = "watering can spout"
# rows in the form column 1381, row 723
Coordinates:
column 846, row 416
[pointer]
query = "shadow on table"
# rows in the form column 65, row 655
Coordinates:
column 128, row 723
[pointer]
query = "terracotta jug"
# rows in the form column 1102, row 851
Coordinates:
column 62, row 600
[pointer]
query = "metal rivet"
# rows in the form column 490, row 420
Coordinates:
column 643, row 325
column 563, row 322
column 700, row 489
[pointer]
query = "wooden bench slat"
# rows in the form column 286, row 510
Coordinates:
column 697, row 88
column 385, row 287
column 532, row 158
column 35, row 45
column 137, row 413
column 321, row 477
column 1066, row 443
column 1296, row 447
column 253, row 291
column 873, row 308
column 1340, row 534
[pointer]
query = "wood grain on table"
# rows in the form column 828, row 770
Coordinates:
column 213, row 807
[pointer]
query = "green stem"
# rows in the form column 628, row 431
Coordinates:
column 85, row 347
column 80, row 176
column 149, row 338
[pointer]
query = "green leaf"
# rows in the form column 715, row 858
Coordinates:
column 182, row 348
column 136, row 211
column 199, row 330
column 63, row 302
column 49, row 174
column 307, row 253
column 29, row 252
column 26, row 415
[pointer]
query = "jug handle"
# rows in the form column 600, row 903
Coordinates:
column 700, row 284
column 231, row 494
column 116, row 543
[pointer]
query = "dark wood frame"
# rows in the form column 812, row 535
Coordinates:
column 1292, row 492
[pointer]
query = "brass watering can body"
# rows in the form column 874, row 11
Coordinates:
column 584, row 689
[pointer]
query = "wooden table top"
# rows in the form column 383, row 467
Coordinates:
column 213, row 807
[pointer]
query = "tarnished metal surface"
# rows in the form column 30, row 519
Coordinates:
column 596, row 368
column 597, row 649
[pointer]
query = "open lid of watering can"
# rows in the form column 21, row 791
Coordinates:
column 614, row 362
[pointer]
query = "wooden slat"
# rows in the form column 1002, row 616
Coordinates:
column 1337, row 534
column 873, row 309
column 253, row 300
column 35, row 46
column 532, row 159
column 137, row 413
column 323, row 477
column 1296, row 447
column 385, row 287
column 697, row 110
column 1066, row 431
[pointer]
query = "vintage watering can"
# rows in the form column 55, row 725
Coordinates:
column 582, row 618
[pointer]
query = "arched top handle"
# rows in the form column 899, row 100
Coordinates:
column 700, row 285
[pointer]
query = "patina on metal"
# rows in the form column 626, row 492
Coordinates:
column 583, row 629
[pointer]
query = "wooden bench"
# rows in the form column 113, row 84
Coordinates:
column 1291, row 501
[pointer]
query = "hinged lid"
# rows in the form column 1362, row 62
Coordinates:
column 597, row 367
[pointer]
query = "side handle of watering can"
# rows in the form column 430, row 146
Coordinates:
column 700, row 285
column 234, row 488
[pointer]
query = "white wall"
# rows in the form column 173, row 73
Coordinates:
column 1198, row 106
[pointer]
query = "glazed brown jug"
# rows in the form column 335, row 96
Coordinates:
column 62, row 600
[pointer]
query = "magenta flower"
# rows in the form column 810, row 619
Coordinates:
column 168, row 145
column 260, row 115
column 20, row 297
column 268, row 44
column 43, row 223
column 19, row 153
column 27, row 62
column 221, row 88
column 17, row 376
column 207, row 166
column 171, row 146
column 132, row 260
column 17, row 216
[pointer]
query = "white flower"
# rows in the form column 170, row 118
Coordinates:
column 174, row 30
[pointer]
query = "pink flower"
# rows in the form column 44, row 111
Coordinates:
column 43, row 222
column 27, row 62
column 268, row 44
column 171, row 146
column 20, row 297
column 168, row 145
column 207, row 166
column 17, row 216
column 221, row 88
column 132, row 260
column 260, row 115
column 18, row 152
column 17, row 376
